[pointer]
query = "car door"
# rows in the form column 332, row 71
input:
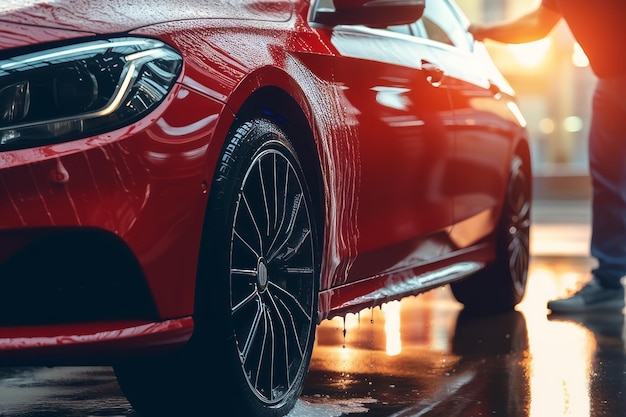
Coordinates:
column 393, row 87
column 484, row 122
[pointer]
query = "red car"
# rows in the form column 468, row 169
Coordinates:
column 187, row 188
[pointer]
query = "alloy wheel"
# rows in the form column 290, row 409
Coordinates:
column 272, row 272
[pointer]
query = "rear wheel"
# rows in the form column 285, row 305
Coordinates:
column 501, row 286
column 256, row 301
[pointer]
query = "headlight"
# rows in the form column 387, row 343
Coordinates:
column 80, row 90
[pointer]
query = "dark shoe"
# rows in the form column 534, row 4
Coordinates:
column 591, row 297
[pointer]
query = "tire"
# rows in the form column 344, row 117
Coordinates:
column 256, row 295
column 502, row 285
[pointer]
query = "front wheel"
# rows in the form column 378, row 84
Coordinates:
column 264, row 245
column 501, row 286
column 257, row 289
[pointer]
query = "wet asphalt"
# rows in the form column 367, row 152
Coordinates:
column 423, row 356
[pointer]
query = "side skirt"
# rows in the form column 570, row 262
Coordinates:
column 377, row 290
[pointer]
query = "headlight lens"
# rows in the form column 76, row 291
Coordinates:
column 80, row 90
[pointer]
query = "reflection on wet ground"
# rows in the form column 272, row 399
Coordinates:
column 61, row 392
column 423, row 356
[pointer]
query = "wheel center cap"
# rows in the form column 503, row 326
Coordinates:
column 261, row 275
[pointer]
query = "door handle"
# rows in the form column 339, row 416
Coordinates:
column 434, row 73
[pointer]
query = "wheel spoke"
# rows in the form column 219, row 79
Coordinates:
column 291, row 250
column 275, row 178
column 283, row 208
column 283, row 337
column 297, row 245
column 260, row 373
column 282, row 293
column 254, row 221
column 287, row 315
column 248, row 245
column 248, row 272
column 246, row 301
column 252, row 331
column 306, row 270
column 264, row 198
column 290, row 228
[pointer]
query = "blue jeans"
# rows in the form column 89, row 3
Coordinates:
column 607, row 163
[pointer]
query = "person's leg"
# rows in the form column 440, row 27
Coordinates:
column 607, row 164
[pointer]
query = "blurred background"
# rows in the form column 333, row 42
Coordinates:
column 554, row 85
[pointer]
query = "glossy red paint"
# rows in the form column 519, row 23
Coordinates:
column 73, row 343
column 410, row 167
column 142, row 183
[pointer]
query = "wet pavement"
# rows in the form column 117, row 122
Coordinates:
column 423, row 356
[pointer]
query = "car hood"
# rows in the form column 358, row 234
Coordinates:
column 60, row 19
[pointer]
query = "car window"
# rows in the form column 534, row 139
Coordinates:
column 403, row 29
column 440, row 23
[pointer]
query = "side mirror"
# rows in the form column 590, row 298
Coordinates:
column 375, row 13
